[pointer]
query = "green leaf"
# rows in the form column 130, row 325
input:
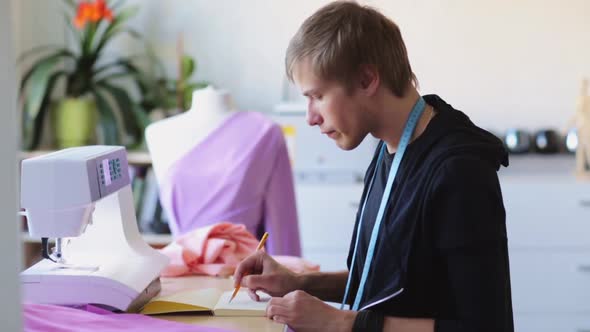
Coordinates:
column 195, row 86
column 126, row 106
column 52, row 58
column 144, row 84
column 72, row 30
column 171, row 102
column 187, row 67
column 143, row 120
column 122, row 65
column 35, row 51
column 37, row 87
column 113, row 76
column 32, row 127
column 116, row 26
column 88, row 40
column 107, row 119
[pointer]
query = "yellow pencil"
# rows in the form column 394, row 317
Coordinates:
column 260, row 246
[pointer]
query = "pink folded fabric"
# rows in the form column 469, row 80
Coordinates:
column 53, row 318
column 212, row 250
column 216, row 250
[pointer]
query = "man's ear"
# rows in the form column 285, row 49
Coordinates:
column 369, row 79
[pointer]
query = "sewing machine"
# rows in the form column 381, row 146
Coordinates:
column 82, row 198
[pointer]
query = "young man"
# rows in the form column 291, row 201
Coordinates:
column 429, row 251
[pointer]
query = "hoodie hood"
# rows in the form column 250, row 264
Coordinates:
column 453, row 133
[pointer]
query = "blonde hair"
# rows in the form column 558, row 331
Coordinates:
column 342, row 36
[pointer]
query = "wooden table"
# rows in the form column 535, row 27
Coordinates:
column 246, row 324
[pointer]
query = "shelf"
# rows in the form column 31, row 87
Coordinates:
column 133, row 157
column 139, row 158
column 151, row 239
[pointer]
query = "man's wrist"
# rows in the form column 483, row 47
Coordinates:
column 346, row 321
column 302, row 282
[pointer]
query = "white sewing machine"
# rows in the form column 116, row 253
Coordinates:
column 82, row 198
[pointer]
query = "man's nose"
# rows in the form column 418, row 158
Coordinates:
column 313, row 117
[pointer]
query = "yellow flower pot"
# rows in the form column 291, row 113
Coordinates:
column 75, row 121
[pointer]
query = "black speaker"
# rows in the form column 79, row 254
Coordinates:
column 546, row 141
column 517, row 141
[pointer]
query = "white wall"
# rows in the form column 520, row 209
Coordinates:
column 506, row 63
column 10, row 318
column 37, row 23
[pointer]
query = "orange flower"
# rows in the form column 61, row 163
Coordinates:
column 105, row 12
column 83, row 13
column 93, row 12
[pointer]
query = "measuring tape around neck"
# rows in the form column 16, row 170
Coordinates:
column 409, row 128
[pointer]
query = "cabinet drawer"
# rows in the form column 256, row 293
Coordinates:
column 551, row 323
column 548, row 214
column 547, row 282
column 327, row 214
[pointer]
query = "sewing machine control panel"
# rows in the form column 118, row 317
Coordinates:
column 112, row 171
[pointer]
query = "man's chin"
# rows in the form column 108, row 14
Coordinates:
column 346, row 145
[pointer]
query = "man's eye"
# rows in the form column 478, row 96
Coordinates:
column 318, row 97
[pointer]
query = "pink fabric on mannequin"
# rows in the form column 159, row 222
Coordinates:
column 216, row 250
column 53, row 318
column 240, row 173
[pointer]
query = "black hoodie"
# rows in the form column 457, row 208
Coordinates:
column 442, row 247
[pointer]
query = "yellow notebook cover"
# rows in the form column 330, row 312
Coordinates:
column 207, row 300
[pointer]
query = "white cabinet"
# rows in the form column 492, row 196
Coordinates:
column 552, row 323
column 547, row 212
column 550, row 282
column 326, row 220
column 548, row 224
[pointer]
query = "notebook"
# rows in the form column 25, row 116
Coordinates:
column 210, row 300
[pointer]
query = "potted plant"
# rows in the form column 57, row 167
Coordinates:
column 162, row 95
column 91, row 94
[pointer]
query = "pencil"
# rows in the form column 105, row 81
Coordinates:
column 260, row 246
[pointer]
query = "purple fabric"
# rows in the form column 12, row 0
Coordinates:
column 53, row 318
column 240, row 173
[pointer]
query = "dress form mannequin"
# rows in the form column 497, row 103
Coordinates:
column 172, row 137
column 214, row 164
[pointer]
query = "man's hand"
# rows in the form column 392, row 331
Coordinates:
column 303, row 312
column 259, row 271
